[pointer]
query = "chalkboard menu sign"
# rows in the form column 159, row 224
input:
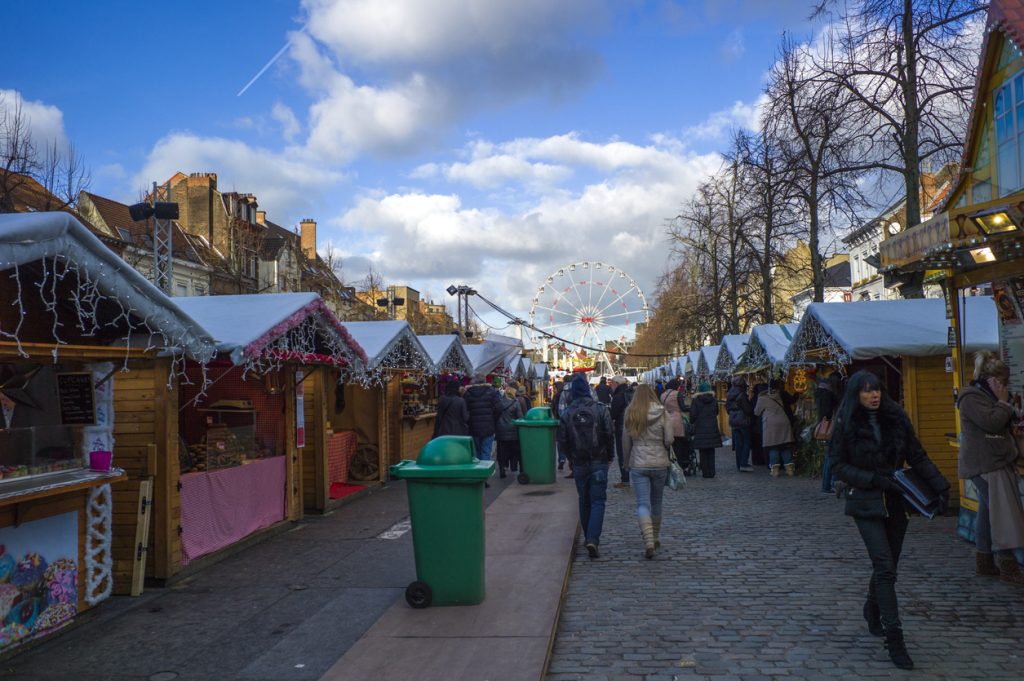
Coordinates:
column 76, row 399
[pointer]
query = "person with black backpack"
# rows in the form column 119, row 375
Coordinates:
column 586, row 435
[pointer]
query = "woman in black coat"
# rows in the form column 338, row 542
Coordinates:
column 706, row 437
column 871, row 439
column 452, row 413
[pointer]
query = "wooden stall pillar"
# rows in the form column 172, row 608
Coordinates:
column 293, row 466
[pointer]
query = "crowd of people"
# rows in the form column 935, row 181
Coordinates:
column 867, row 439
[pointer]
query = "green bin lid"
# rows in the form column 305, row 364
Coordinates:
column 537, row 417
column 447, row 457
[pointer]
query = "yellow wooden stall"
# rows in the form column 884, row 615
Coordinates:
column 79, row 460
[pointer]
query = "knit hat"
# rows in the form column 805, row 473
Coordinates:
column 579, row 387
column 704, row 387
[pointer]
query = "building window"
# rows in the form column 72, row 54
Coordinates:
column 180, row 289
column 1008, row 114
column 200, row 290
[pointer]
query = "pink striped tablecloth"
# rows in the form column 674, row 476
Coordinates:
column 221, row 507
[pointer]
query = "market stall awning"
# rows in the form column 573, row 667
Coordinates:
column 766, row 347
column 64, row 254
column 692, row 361
column 447, row 354
column 276, row 327
column 390, row 345
column 843, row 332
column 707, row 360
column 540, row 371
column 733, row 346
column 492, row 355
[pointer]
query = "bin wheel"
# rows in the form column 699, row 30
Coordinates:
column 419, row 595
column 523, row 479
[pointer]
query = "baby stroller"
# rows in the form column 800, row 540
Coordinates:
column 687, row 458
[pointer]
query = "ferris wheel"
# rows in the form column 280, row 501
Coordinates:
column 590, row 303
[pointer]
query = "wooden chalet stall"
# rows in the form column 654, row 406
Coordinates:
column 450, row 361
column 763, row 357
column 977, row 240
column 87, row 347
column 905, row 343
column 247, row 436
column 721, row 373
column 706, row 362
column 390, row 410
column 540, row 381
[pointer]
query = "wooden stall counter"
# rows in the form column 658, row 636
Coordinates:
column 417, row 431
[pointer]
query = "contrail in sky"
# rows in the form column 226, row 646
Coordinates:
column 264, row 69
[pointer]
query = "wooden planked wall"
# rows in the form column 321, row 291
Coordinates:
column 314, row 454
column 928, row 400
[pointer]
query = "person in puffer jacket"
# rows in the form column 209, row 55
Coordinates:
column 507, row 433
column 704, row 424
column 646, row 439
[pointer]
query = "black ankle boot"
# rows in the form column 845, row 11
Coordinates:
column 898, row 649
column 873, row 617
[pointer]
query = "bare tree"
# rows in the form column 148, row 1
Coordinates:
column 771, row 223
column 60, row 170
column 827, row 143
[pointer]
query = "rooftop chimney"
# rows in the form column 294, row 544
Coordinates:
column 261, row 217
column 307, row 237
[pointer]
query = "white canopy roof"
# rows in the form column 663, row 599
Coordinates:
column 540, row 371
column 445, row 351
column 732, row 347
column 30, row 237
column 244, row 325
column 394, row 338
column 494, row 353
column 692, row 360
column 708, row 359
column 873, row 328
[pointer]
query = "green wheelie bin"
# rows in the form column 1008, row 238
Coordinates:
column 446, row 506
column 537, row 446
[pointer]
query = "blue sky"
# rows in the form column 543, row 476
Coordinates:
column 478, row 141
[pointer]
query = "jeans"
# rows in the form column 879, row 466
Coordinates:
column 707, row 462
column 883, row 538
column 623, row 473
column 828, row 483
column 648, row 487
column 592, row 488
column 741, row 443
column 483, row 447
column 777, row 455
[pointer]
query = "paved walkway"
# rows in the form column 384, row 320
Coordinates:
column 762, row 578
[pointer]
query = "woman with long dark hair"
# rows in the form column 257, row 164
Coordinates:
column 871, row 439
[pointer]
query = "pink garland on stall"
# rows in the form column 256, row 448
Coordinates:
column 255, row 348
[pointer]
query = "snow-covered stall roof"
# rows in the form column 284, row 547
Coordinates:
column 274, row 327
column 843, row 332
column 692, row 362
column 766, row 347
column 707, row 360
column 514, row 366
column 447, row 354
column 733, row 346
column 389, row 345
column 493, row 353
column 90, row 276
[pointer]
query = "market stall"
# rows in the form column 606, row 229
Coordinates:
column 391, row 411
column 766, row 349
column 977, row 241
column 905, row 343
column 450, row 364
column 254, row 436
column 732, row 348
column 541, row 376
column 84, row 339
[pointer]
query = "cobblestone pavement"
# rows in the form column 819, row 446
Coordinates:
column 762, row 578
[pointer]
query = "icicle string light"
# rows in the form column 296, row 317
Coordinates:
column 402, row 355
column 453, row 363
column 63, row 286
column 812, row 337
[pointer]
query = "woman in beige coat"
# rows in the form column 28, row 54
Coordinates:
column 646, row 439
column 776, row 430
column 988, row 456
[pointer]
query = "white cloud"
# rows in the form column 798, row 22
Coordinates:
column 433, row 239
column 733, row 47
column 287, row 183
column 290, row 126
column 739, row 115
column 45, row 121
